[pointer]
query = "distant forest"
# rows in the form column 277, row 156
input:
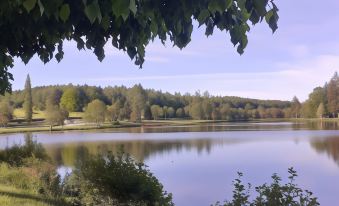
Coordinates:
column 137, row 103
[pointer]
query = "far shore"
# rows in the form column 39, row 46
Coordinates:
column 40, row 126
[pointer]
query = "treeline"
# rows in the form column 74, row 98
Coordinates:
column 323, row 101
column 137, row 103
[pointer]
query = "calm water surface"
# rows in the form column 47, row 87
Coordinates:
column 198, row 163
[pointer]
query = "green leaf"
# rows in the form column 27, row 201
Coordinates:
column 260, row 7
column 213, row 6
column 228, row 3
column 42, row 8
column 219, row 5
column 133, row 7
column 179, row 27
column 64, row 12
column 154, row 27
column 203, row 16
column 29, row 5
column 268, row 16
column 93, row 12
column 121, row 8
column 105, row 23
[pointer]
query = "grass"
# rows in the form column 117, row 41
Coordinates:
column 19, row 113
column 11, row 196
column 76, row 114
column 18, row 186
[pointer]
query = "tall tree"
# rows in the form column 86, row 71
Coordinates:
column 207, row 107
column 180, row 113
column 137, row 99
column 170, row 112
column 95, row 112
column 113, row 112
column 28, row 103
column 6, row 113
column 165, row 111
column 147, row 111
column 321, row 110
column 53, row 97
column 295, row 107
column 70, row 100
column 333, row 95
column 55, row 115
column 156, row 111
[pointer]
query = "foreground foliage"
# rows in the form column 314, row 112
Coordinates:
column 96, row 180
column 114, row 180
column 276, row 193
column 26, row 172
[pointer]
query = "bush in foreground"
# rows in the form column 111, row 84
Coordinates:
column 114, row 180
column 275, row 194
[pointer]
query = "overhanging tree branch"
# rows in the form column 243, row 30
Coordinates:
column 30, row 27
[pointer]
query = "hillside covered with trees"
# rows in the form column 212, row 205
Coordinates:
column 137, row 103
column 115, row 103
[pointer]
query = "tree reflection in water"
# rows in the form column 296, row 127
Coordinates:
column 104, row 175
column 102, row 179
column 330, row 146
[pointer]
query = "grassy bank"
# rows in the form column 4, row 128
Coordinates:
column 45, row 128
column 12, row 196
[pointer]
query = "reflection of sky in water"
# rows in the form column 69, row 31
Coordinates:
column 198, row 167
column 63, row 171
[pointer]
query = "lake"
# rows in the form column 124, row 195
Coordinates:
column 198, row 163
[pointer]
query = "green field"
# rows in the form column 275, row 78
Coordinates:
column 19, row 113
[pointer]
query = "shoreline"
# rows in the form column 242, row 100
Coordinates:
column 145, row 123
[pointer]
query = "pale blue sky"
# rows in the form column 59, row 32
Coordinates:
column 302, row 54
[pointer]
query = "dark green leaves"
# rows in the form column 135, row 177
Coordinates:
column 272, row 18
column 260, row 7
column 121, row 8
column 133, row 7
column 131, row 24
column 93, row 12
column 29, row 5
column 42, row 8
column 154, row 27
column 219, row 5
column 203, row 16
column 105, row 22
column 64, row 12
column 238, row 36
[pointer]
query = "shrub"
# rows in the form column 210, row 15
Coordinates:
column 17, row 154
column 114, row 180
column 39, row 177
column 275, row 193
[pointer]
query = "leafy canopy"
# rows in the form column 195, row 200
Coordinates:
column 30, row 27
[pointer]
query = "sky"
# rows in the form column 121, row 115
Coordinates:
column 301, row 55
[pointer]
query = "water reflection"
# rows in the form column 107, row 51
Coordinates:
column 330, row 146
column 67, row 154
column 198, row 163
